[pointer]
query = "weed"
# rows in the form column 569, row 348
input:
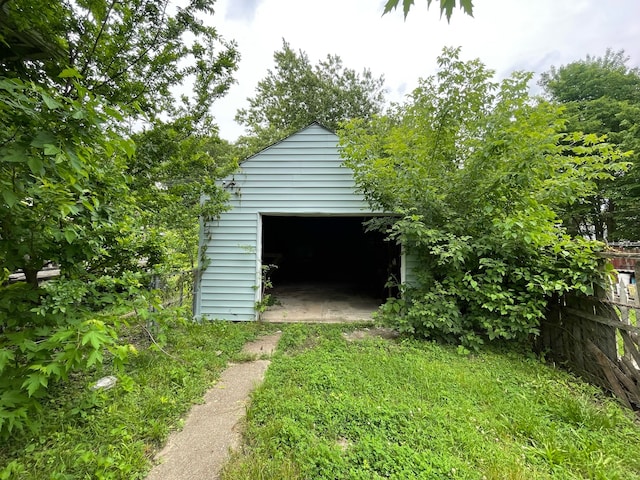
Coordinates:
column 113, row 434
column 266, row 299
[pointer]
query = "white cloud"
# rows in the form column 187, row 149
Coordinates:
column 506, row 35
column 242, row 10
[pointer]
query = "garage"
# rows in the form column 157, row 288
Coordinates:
column 295, row 210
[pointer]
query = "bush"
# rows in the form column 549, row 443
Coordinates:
column 477, row 171
column 49, row 332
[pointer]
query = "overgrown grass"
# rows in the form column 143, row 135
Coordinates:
column 406, row 409
column 114, row 433
column 331, row 408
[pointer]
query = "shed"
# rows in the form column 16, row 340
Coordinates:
column 295, row 210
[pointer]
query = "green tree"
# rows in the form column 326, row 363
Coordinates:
column 173, row 167
column 297, row 93
column 141, row 55
column 113, row 63
column 74, row 75
column 477, row 171
column 61, row 177
column 601, row 95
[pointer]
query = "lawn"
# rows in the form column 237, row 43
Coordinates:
column 113, row 434
column 332, row 409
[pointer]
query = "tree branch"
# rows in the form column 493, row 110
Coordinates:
column 97, row 39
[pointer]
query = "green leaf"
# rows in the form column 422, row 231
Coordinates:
column 79, row 114
column 113, row 113
column 390, row 5
column 467, row 6
column 50, row 149
column 11, row 85
column 88, row 205
column 54, row 369
column 36, row 165
column 75, row 162
column 94, row 357
column 96, row 339
column 70, row 235
column 42, row 138
column 70, row 73
column 407, row 6
column 11, row 398
column 446, row 7
column 129, row 147
column 50, row 102
column 34, row 382
column 15, row 155
column 10, row 198
column 6, row 356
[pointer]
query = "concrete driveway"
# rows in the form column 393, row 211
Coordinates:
column 323, row 303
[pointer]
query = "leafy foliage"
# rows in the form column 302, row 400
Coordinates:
column 61, row 176
column 477, row 171
column 173, row 167
column 48, row 333
column 298, row 93
column 446, row 7
column 74, row 77
column 62, row 154
column 601, row 95
column 112, row 434
column 135, row 54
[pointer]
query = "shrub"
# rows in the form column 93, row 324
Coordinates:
column 477, row 171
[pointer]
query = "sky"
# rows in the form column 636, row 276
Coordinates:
column 506, row 35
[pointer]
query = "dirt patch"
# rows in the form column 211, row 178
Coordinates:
column 377, row 332
column 263, row 346
column 343, row 443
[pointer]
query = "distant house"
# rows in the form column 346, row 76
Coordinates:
column 293, row 205
column 624, row 264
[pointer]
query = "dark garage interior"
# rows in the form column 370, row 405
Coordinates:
column 329, row 250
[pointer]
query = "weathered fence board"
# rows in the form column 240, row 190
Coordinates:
column 598, row 337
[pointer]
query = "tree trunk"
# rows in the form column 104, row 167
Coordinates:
column 610, row 221
column 31, row 276
column 598, row 218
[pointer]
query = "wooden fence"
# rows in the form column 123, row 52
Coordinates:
column 598, row 337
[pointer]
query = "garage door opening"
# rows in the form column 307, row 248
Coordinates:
column 327, row 266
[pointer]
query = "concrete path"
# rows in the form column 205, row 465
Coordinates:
column 199, row 450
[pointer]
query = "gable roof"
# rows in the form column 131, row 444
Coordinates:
column 314, row 123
